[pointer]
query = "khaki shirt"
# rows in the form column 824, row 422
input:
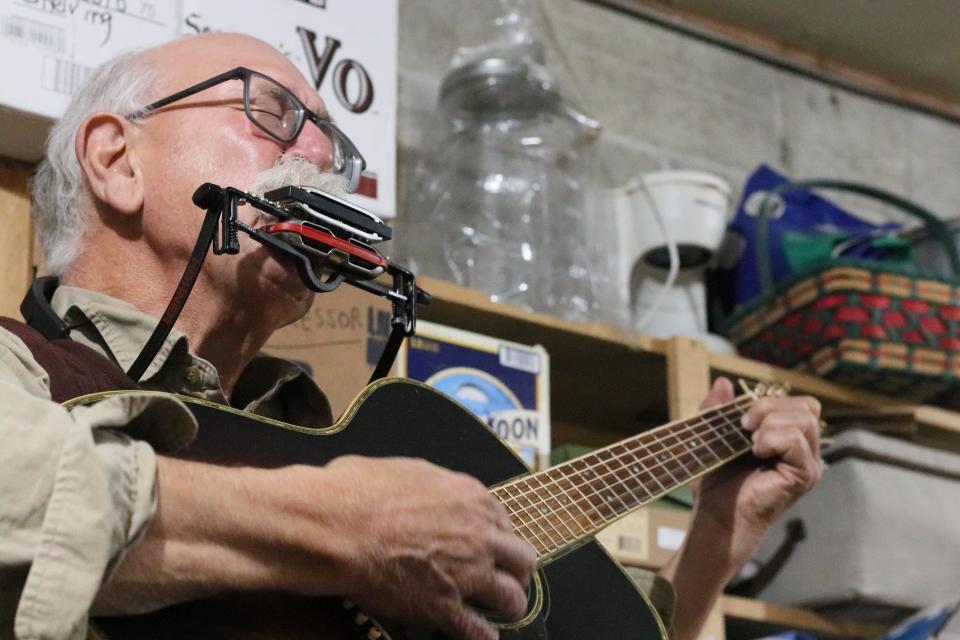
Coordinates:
column 78, row 487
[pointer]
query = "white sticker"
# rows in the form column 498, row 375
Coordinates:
column 670, row 538
column 521, row 359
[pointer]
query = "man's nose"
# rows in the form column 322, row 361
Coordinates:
column 314, row 145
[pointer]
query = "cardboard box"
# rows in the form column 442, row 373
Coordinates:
column 715, row 627
column 504, row 383
column 646, row 538
column 339, row 342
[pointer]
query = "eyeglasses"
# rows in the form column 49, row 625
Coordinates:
column 280, row 114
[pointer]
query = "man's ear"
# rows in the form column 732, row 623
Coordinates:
column 111, row 167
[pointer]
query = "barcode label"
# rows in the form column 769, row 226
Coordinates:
column 63, row 76
column 46, row 37
column 521, row 359
column 631, row 544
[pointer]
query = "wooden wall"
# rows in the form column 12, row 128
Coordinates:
column 16, row 236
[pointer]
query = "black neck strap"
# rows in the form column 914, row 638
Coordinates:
column 38, row 312
column 179, row 299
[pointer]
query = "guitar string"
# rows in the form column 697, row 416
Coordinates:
column 700, row 422
column 616, row 488
column 716, row 434
column 693, row 423
column 558, row 516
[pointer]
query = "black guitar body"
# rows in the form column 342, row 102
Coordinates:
column 585, row 594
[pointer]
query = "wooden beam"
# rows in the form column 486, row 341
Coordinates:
column 757, row 45
column 792, row 618
column 688, row 376
column 16, row 239
column 825, row 391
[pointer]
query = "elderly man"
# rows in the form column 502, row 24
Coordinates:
column 95, row 520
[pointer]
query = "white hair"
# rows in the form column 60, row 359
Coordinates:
column 59, row 187
column 295, row 170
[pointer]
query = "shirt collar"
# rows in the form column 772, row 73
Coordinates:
column 114, row 326
column 268, row 386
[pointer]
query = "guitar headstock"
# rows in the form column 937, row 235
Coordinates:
column 765, row 389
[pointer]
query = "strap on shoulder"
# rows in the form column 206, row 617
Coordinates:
column 38, row 312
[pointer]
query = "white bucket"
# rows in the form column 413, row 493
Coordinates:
column 695, row 207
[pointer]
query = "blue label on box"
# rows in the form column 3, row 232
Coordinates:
column 495, row 388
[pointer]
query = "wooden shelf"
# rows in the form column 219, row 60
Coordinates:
column 607, row 382
column 829, row 393
column 751, row 617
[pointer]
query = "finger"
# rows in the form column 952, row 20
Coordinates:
column 501, row 517
column 721, row 391
column 500, row 592
column 765, row 406
column 463, row 623
column 800, row 464
column 798, row 419
column 513, row 555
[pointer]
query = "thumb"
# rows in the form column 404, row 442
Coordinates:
column 722, row 391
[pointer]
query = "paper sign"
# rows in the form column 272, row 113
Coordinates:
column 348, row 50
column 49, row 46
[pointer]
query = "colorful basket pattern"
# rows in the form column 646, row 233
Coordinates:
column 887, row 331
column 860, row 323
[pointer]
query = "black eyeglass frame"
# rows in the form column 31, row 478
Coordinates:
column 346, row 154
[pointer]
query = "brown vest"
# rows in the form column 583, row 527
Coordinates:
column 74, row 369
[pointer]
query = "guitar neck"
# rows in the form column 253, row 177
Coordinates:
column 557, row 508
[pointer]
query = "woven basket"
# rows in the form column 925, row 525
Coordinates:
column 867, row 324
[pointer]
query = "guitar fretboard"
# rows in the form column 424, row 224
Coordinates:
column 556, row 508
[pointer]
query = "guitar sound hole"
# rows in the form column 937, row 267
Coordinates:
column 533, row 596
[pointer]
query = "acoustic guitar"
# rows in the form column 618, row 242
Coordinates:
column 579, row 592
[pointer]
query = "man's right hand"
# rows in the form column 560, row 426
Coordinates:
column 400, row 537
column 421, row 543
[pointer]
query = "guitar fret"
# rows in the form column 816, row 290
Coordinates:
column 605, row 491
column 518, row 498
column 577, row 482
column 632, row 471
column 662, row 458
column 614, row 467
column 565, row 500
column 641, row 468
column 698, row 441
column 510, row 503
column 730, row 432
column 688, row 446
column 595, row 497
column 670, row 446
column 532, row 506
column 557, row 507
column 547, row 510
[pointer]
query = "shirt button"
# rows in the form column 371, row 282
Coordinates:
column 194, row 378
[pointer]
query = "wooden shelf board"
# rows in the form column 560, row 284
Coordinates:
column 16, row 259
column 782, row 617
column 828, row 393
column 602, row 377
column 607, row 381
